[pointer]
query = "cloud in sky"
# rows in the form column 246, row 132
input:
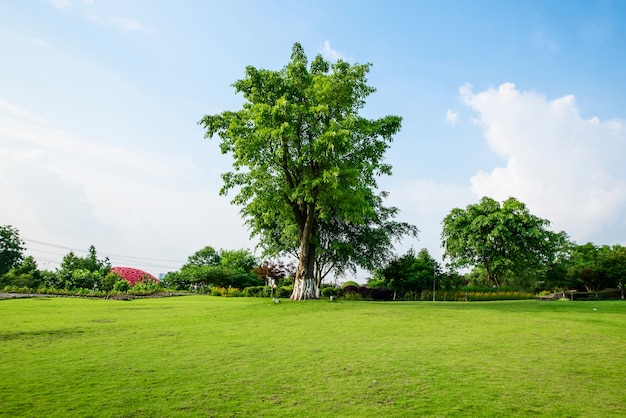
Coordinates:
column 117, row 22
column 63, row 5
column 329, row 53
column 121, row 23
column 68, row 189
column 566, row 168
column 452, row 117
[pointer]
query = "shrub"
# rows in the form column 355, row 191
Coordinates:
column 350, row 289
column 284, row 291
column 352, row 295
column 121, row 286
column 109, row 281
column 349, row 283
column 380, row 293
column 330, row 291
column 146, row 287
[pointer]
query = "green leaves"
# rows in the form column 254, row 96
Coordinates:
column 501, row 239
column 301, row 153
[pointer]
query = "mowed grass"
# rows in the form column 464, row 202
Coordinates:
column 241, row 357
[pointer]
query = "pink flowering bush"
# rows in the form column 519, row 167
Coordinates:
column 133, row 275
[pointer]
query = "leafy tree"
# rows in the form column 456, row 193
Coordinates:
column 241, row 261
column 11, row 248
column 222, row 268
column 613, row 263
column 502, row 239
column 81, row 272
column 411, row 272
column 274, row 271
column 302, row 154
column 343, row 246
column 25, row 274
column 204, row 257
column 594, row 267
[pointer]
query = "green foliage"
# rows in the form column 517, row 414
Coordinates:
column 410, row 272
column 475, row 295
column 145, row 287
column 208, row 267
column 121, row 286
column 85, row 279
column 349, row 283
column 302, row 154
column 283, row 291
column 331, row 291
column 226, row 291
column 11, row 248
column 204, row 258
column 501, row 239
column 109, row 281
column 24, row 274
column 80, row 272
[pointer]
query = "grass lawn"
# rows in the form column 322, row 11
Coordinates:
column 242, row 357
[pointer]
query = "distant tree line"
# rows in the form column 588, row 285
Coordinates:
column 501, row 246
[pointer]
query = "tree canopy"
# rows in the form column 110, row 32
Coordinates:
column 11, row 248
column 302, row 153
column 501, row 239
column 410, row 272
column 209, row 267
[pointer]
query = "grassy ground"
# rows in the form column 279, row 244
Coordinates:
column 211, row 356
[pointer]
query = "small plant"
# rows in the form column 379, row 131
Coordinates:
column 121, row 286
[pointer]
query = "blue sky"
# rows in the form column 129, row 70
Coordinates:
column 99, row 102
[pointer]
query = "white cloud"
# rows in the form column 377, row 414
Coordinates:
column 37, row 41
column 330, row 53
column 565, row 168
column 425, row 203
column 117, row 22
column 63, row 5
column 68, row 190
column 452, row 117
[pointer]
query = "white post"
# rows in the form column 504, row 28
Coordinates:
column 434, row 278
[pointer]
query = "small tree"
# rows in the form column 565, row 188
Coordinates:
column 72, row 273
column 410, row 272
column 11, row 248
column 274, row 271
column 25, row 274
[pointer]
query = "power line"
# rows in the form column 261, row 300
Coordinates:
column 105, row 254
column 144, row 263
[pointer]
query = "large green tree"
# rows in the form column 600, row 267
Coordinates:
column 342, row 246
column 302, row 150
column 502, row 239
column 11, row 248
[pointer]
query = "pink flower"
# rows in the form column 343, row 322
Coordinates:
column 132, row 275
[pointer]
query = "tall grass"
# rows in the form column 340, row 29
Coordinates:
column 211, row 356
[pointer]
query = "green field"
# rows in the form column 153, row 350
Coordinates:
column 212, row 356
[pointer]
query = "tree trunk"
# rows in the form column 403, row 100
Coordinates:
column 305, row 285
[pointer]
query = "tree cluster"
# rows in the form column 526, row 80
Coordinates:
column 207, row 268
